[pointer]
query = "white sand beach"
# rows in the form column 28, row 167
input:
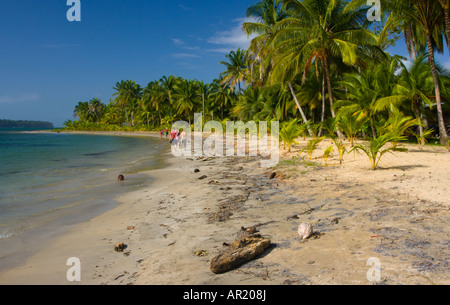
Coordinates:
column 172, row 229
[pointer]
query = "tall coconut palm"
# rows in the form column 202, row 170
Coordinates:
column 204, row 91
column 428, row 17
column 320, row 31
column 267, row 13
column 81, row 111
column 168, row 84
column 237, row 69
column 222, row 96
column 96, row 107
column 416, row 86
column 126, row 96
column 186, row 95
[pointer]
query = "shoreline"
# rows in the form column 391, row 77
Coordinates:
column 357, row 214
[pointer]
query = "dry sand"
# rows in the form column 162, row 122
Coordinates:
column 398, row 214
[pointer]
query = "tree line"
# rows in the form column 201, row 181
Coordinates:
column 318, row 62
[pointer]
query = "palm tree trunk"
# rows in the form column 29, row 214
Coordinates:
column 299, row 107
column 203, row 105
column 419, row 115
column 442, row 131
column 330, row 93
column 323, row 103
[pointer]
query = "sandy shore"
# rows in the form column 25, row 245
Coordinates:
column 398, row 214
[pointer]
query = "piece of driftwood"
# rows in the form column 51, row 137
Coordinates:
column 239, row 252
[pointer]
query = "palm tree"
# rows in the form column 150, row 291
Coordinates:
column 237, row 69
column 127, row 95
column 319, row 30
column 222, row 96
column 428, row 17
column 370, row 92
column 351, row 125
column 168, row 84
column 289, row 133
column 186, row 95
column 267, row 14
column 81, row 111
column 375, row 148
column 95, row 108
column 204, row 91
column 249, row 104
column 416, row 85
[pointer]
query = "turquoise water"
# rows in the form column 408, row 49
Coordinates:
column 50, row 180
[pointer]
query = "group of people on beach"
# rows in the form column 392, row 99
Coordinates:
column 177, row 137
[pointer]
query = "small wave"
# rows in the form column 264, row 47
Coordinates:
column 10, row 173
column 99, row 153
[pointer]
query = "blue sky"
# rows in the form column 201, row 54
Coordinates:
column 48, row 64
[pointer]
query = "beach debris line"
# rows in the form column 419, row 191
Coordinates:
column 305, row 230
column 242, row 250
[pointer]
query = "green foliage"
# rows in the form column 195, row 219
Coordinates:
column 351, row 125
column 312, row 145
column 422, row 139
column 375, row 148
column 289, row 132
column 327, row 153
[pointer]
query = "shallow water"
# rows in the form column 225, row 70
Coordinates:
column 49, row 181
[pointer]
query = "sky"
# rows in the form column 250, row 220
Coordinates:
column 49, row 64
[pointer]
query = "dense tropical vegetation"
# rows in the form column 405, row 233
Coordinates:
column 317, row 66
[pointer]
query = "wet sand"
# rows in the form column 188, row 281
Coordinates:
column 398, row 214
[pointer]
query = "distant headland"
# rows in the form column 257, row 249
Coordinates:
column 25, row 124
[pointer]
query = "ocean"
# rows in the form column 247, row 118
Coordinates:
column 50, row 181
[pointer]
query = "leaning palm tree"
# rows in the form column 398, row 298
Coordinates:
column 319, row 31
column 237, row 69
column 428, row 17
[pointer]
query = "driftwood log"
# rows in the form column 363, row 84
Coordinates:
column 239, row 252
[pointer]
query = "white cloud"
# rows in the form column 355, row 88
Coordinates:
column 21, row 98
column 177, row 41
column 185, row 55
column 233, row 38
